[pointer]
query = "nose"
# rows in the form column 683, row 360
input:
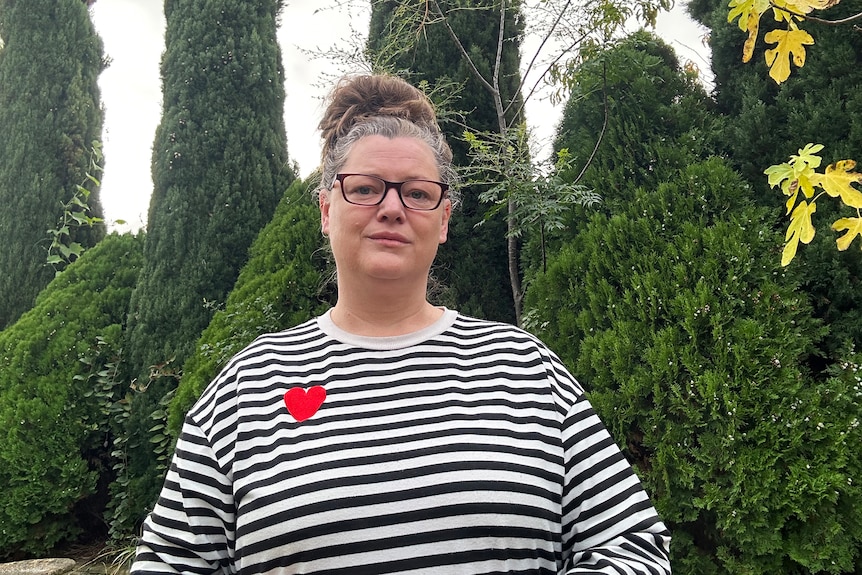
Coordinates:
column 391, row 206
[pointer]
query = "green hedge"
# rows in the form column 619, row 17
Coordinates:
column 282, row 285
column 693, row 344
column 53, row 417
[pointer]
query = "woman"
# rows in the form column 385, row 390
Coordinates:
column 389, row 435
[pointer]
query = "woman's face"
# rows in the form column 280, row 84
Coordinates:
column 386, row 241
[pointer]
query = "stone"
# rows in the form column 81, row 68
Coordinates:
column 38, row 567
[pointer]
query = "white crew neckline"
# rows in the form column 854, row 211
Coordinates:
column 444, row 322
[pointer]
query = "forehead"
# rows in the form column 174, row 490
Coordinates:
column 379, row 155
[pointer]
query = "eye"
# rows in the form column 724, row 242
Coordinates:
column 363, row 190
column 361, row 187
column 418, row 194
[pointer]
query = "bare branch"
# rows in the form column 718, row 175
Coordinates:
column 815, row 18
column 835, row 22
column 604, row 123
column 498, row 59
column 544, row 74
column 538, row 51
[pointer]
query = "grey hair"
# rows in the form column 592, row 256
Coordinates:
column 391, row 127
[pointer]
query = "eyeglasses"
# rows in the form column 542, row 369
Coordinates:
column 365, row 190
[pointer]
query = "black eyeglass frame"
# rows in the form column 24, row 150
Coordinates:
column 444, row 187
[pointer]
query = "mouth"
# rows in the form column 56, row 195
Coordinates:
column 388, row 238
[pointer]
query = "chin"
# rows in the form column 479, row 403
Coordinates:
column 399, row 273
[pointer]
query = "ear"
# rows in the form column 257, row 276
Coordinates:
column 444, row 225
column 323, row 198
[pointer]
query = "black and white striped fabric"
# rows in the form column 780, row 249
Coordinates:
column 465, row 448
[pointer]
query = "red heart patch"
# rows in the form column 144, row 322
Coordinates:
column 303, row 403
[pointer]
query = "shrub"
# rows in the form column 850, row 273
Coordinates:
column 53, row 420
column 282, row 285
column 694, row 346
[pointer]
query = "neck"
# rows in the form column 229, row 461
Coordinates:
column 383, row 312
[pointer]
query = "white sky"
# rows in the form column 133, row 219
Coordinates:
column 133, row 35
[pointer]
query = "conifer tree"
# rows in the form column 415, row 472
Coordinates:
column 50, row 115
column 634, row 116
column 58, row 400
column 471, row 252
column 694, row 346
column 219, row 168
column 764, row 123
column 282, row 285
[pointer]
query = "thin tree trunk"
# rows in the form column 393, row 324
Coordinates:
column 514, row 270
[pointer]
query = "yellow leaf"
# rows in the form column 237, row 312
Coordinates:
column 791, row 201
column 778, row 173
column 789, row 44
column 797, row 175
column 806, row 182
column 799, row 230
column 785, row 176
column 805, row 6
column 744, row 9
column 838, row 180
column 808, row 156
column 753, row 31
column 853, row 227
column 804, row 164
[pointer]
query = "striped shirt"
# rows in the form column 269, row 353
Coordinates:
column 464, row 448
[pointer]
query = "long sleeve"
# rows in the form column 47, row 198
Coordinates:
column 191, row 529
column 609, row 524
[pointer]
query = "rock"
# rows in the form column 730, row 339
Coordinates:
column 38, row 567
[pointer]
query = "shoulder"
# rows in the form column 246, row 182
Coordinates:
column 475, row 327
column 508, row 338
column 481, row 331
column 294, row 344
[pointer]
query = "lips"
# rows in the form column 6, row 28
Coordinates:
column 389, row 238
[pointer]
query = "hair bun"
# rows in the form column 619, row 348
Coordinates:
column 360, row 97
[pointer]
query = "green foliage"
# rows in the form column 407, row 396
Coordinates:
column 537, row 201
column 536, row 197
column 763, row 124
column 49, row 115
column 220, row 167
column 693, row 344
column 57, row 397
column 282, row 285
column 114, row 396
column 76, row 214
column 633, row 117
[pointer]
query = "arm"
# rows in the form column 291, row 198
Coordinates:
column 191, row 529
column 609, row 524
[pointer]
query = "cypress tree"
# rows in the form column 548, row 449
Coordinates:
column 50, row 115
column 219, row 168
column 640, row 112
column 470, row 252
column 634, row 118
